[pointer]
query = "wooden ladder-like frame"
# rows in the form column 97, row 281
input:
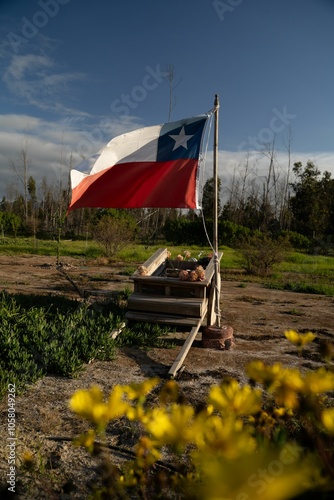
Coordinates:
column 143, row 304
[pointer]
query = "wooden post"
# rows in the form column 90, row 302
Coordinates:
column 215, row 215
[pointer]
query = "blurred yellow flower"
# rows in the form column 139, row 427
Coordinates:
column 231, row 397
column 288, row 390
column 268, row 376
column 116, row 406
column 286, row 384
column 28, row 461
column 139, row 391
column 146, row 453
column 268, row 474
column 327, row 418
column 89, row 404
column 225, row 435
column 299, row 339
column 319, row 381
column 173, row 426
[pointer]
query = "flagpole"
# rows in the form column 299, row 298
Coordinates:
column 215, row 214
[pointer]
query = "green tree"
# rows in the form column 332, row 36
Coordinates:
column 312, row 203
column 208, row 198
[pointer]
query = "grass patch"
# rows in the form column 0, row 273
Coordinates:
column 303, row 287
column 34, row 246
column 316, row 265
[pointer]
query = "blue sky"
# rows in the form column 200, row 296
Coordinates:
column 76, row 73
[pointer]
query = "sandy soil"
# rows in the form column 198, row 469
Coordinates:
column 257, row 315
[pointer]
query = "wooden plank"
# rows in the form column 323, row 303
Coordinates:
column 184, row 350
column 165, row 319
column 162, row 280
column 212, row 315
column 153, row 262
column 185, row 306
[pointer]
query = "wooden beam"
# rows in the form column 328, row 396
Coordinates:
column 185, row 349
column 153, row 262
column 165, row 319
column 185, row 306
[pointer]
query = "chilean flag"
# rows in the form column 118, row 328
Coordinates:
column 152, row 167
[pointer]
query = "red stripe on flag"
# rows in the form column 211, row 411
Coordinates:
column 140, row 185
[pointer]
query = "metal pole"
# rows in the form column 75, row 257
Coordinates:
column 215, row 213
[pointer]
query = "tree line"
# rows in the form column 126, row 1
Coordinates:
column 299, row 203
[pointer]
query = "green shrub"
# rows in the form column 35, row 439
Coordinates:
column 297, row 240
column 259, row 253
column 56, row 336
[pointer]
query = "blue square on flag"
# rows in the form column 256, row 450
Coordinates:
column 181, row 142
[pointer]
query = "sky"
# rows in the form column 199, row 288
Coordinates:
column 76, row 73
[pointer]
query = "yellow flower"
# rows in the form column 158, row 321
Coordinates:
column 224, row 435
column 299, row 339
column 140, row 391
column 173, row 426
column 89, row 404
column 28, row 461
column 116, row 406
column 327, row 418
column 282, row 412
column 285, row 384
column 231, row 397
column 267, row 474
column 289, row 388
column 268, row 376
column 319, row 381
column 146, row 453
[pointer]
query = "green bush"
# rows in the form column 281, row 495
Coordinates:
column 297, row 240
column 42, row 335
column 259, row 253
column 56, row 336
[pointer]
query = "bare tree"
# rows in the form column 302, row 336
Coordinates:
column 113, row 234
column 169, row 76
column 21, row 169
column 285, row 213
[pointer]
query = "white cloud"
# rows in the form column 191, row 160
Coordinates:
column 21, row 65
column 35, row 80
column 235, row 161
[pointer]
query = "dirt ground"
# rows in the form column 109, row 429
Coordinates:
column 44, row 422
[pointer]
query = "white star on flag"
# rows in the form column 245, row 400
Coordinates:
column 181, row 139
